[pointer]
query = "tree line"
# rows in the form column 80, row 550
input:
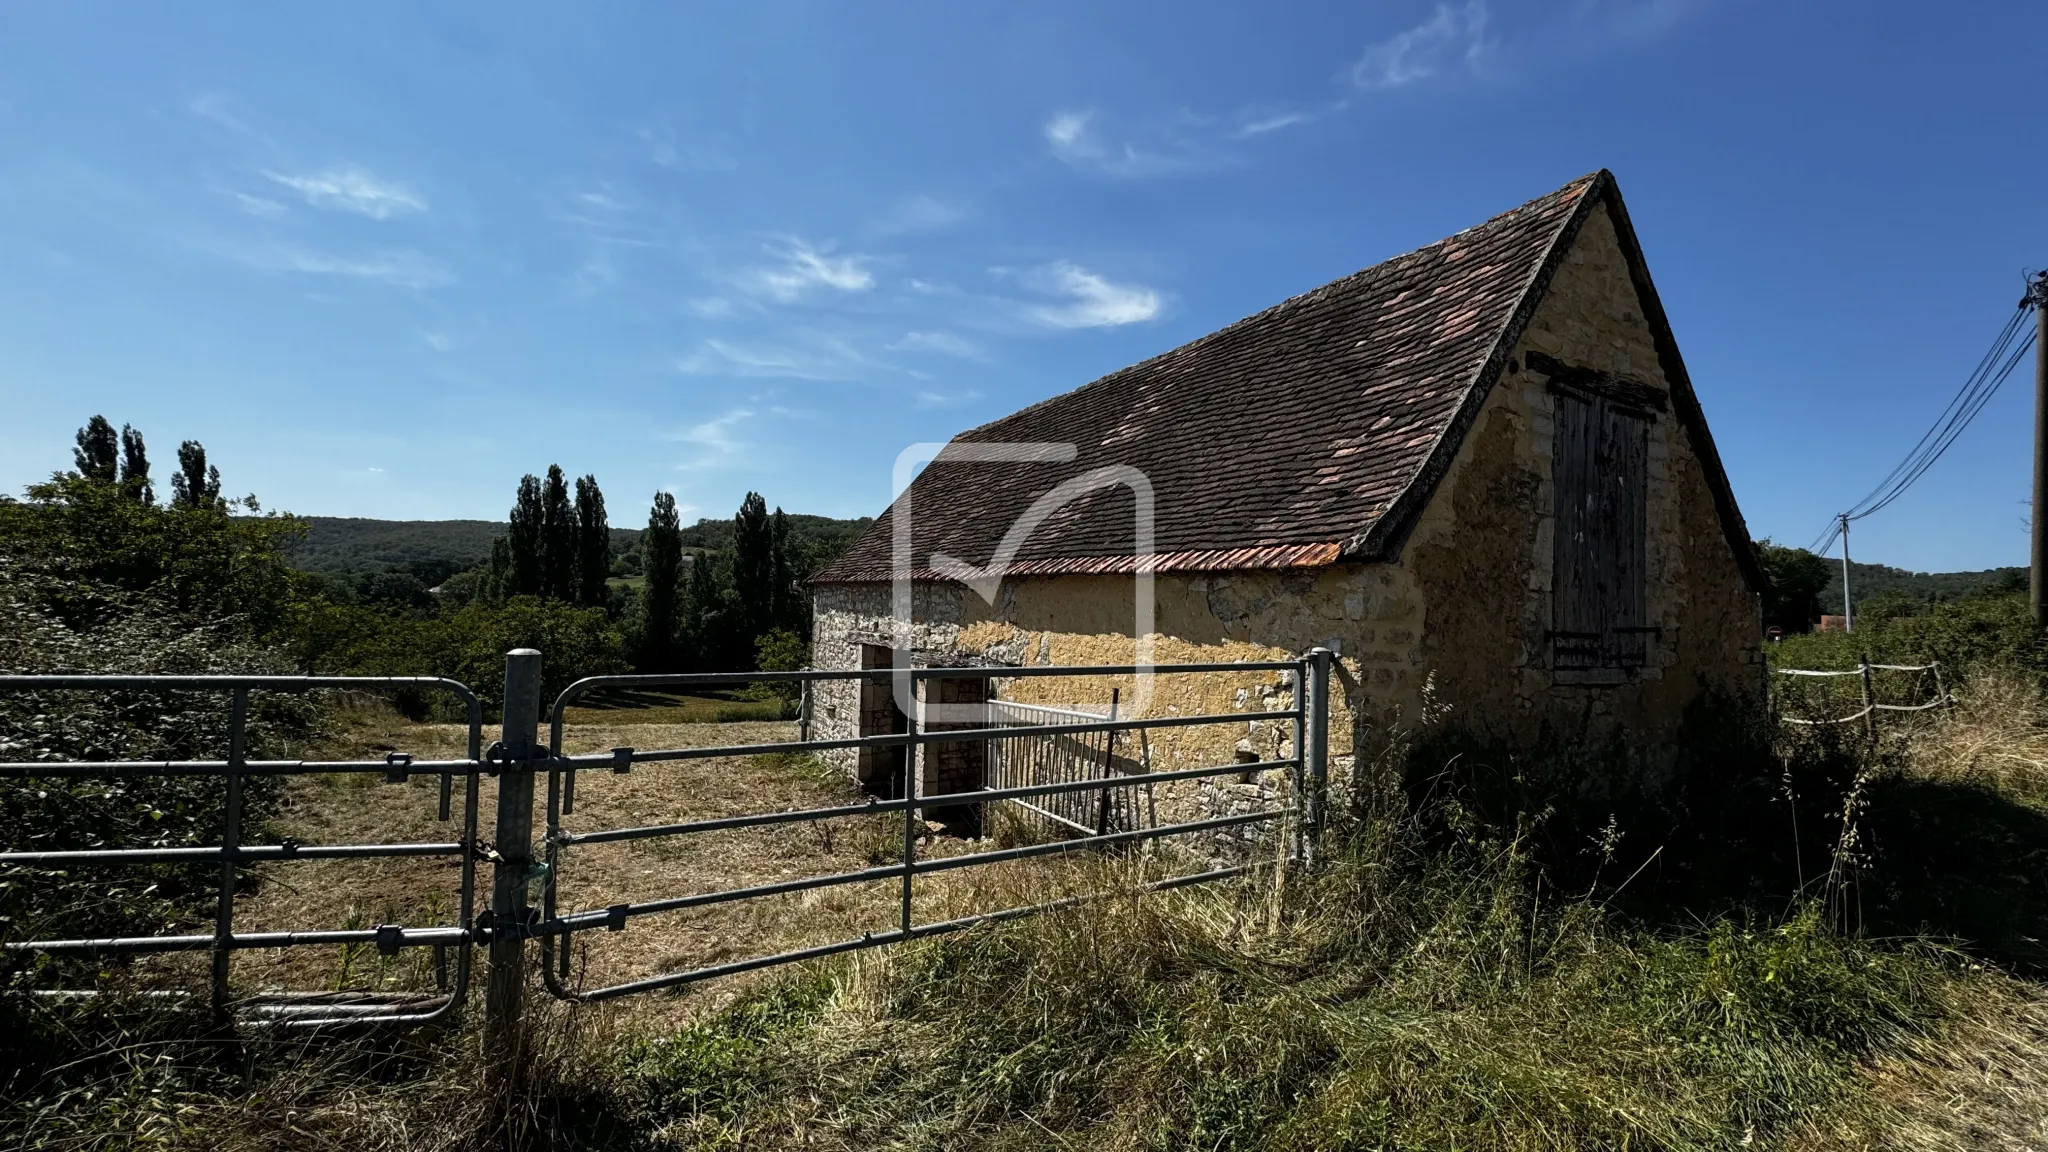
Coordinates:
column 688, row 609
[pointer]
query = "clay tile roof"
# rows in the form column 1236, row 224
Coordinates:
column 1290, row 438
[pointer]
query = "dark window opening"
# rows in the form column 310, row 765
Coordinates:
column 1598, row 616
column 881, row 768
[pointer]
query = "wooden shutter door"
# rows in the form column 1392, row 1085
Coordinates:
column 1599, row 468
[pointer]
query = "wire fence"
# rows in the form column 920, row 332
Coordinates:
column 1867, row 703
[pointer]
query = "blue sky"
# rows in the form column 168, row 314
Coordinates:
column 384, row 258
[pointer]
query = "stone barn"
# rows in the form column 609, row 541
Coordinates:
column 1477, row 472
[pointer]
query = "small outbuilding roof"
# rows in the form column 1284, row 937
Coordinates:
column 1309, row 433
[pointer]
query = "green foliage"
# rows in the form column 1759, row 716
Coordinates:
column 134, row 482
column 466, row 643
column 350, row 544
column 1922, row 589
column 1402, row 999
column 96, row 457
column 1797, row 579
column 1963, row 635
column 127, row 634
column 712, row 1070
column 197, row 562
column 197, row 484
column 663, row 593
column 525, row 537
column 754, row 567
column 593, row 545
column 559, row 559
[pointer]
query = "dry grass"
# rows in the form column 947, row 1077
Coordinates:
column 1994, row 736
column 423, row 890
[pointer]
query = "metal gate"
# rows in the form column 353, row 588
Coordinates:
column 1063, row 757
column 232, row 855
column 1054, row 784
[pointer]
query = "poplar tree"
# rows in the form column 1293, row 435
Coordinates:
column 523, row 541
column 785, row 610
column 593, row 544
column 98, row 452
column 196, row 484
column 662, row 550
column 753, row 568
column 557, row 539
column 135, row 467
column 492, row 589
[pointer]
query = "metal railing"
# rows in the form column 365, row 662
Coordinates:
column 232, row 854
column 515, row 759
column 1022, row 760
column 1304, row 768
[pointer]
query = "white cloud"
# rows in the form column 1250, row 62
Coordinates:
column 1258, row 124
column 815, row 358
column 258, row 205
column 804, row 268
column 709, row 307
column 942, row 400
column 1073, row 140
column 716, row 438
column 944, row 342
column 353, row 190
column 1449, row 36
column 1069, row 136
column 438, row 341
column 406, row 269
column 1089, row 300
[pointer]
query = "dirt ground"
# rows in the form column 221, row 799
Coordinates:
column 421, row 891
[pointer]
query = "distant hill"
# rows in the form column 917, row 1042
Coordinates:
column 354, row 544
column 436, row 548
column 1870, row 580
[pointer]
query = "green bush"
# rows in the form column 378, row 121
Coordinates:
column 132, row 635
column 467, row 643
column 1963, row 635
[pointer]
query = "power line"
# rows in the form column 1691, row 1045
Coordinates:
column 2013, row 342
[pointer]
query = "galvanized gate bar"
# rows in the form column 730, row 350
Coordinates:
column 245, row 852
column 877, row 939
column 563, row 769
column 220, row 767
column 944, row 736
column 223, row 941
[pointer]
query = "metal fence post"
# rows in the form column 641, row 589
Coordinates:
column 910, row 796
column 1317, row 753
column 231, row 843
column 505, row 988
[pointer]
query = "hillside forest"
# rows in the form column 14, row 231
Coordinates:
column 94, row 545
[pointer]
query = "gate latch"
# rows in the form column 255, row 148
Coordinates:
column 389, row 937
column 395, row 767
column 622, row 760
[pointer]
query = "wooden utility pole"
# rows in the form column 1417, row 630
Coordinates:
column 2037, row 294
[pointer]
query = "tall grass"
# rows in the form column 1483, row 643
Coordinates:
column 1437, row 981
